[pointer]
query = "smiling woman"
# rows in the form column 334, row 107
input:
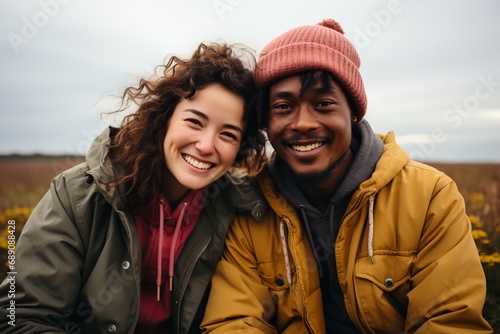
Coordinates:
column 196, row 86
column 204, row 135
column 144, row 219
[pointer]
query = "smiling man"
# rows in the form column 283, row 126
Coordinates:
column 310, row 129
column 360, row 238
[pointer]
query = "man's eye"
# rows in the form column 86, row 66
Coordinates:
column 281, row 109
column 281, row 106
column 325, row 103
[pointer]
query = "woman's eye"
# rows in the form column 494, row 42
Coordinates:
column 193, row 121
column 230, row 136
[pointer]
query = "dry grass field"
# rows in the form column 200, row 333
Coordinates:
column 24, row 180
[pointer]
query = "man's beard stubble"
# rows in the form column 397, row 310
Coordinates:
column 315, row 178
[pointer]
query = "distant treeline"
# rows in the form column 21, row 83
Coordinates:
column 38, row 156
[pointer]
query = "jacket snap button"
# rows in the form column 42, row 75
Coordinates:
column 389, row 282
column 279, row 281
column 125, row 265
column 111, row 328
column 89, row 178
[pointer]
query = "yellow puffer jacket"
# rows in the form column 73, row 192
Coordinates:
column 406, row 260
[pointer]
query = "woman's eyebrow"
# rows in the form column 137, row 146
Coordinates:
column 197, row 112
column 234, row 127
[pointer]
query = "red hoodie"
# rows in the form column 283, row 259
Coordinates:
column 156, row 308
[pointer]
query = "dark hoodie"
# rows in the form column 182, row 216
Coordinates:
column 322, row 227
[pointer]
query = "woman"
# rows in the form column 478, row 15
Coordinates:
column 127, row 242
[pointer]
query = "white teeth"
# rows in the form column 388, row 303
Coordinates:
column 305, row 148
column 198, row 164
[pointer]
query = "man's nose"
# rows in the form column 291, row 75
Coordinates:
column 304, row 120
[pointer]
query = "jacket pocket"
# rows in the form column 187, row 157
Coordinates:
column 381, row 289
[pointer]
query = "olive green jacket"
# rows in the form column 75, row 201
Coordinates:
column 78, row 260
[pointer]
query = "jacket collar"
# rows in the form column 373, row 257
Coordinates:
column 391, row 162
column 244, row 193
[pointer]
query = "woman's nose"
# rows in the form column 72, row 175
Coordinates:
column 205, row 144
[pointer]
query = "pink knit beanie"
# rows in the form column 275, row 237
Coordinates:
column 320, row 46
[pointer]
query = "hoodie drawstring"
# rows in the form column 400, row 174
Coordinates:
column 174, row 244
column 160, row 247
column 285, row 253
column 370, row 229
column 172, row 249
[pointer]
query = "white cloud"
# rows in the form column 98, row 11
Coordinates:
column 420, row 63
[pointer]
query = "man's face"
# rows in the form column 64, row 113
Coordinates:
column 312, row 131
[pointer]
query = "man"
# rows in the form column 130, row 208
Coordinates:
column 360, row 238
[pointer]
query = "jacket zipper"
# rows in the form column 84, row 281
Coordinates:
column 350, row 211
column 183, row 288
column 299, row 279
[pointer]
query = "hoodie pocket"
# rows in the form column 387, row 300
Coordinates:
column 381, row 289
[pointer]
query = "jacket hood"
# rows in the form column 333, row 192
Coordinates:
column 392, row 161
column 102, row 171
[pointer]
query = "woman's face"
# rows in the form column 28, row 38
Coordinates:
column 203, row 137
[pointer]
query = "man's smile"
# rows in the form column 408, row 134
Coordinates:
column 306, row 148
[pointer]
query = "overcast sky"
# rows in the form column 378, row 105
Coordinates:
column 431, row 68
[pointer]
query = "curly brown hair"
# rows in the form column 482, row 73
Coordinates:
column 137, row 147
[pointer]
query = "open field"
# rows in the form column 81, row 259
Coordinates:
column 24, row 180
